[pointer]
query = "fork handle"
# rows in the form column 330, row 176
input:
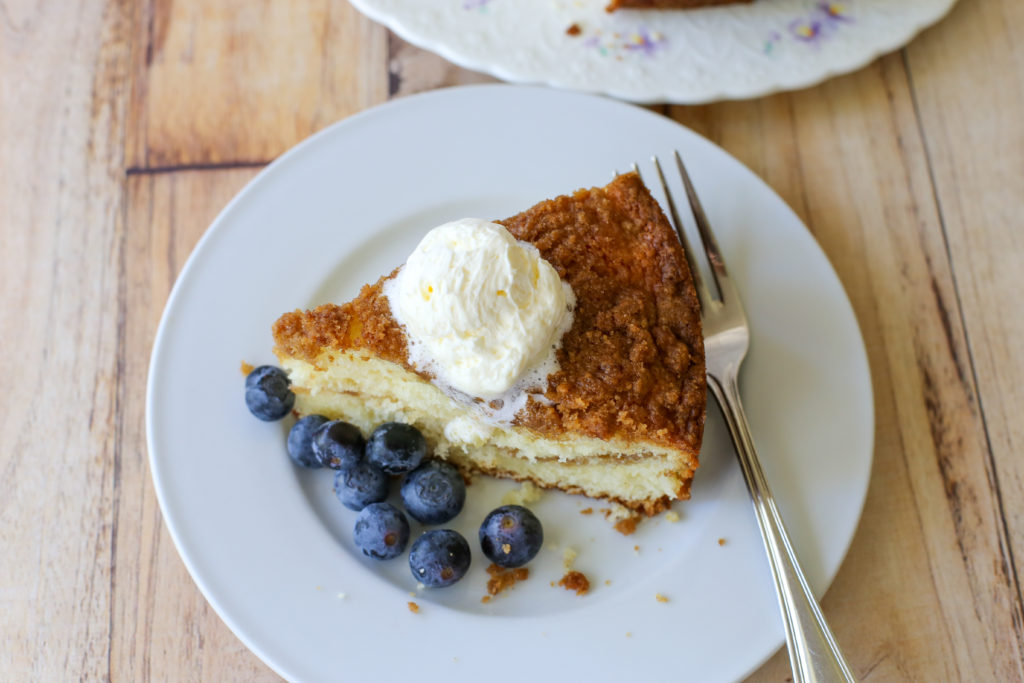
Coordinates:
column 814, row 654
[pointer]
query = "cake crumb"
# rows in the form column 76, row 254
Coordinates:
column 569, row 556
column 671, row 516
column 411, row 594
column 413, row 607
column 524, row 495
column 575, row 581
column 629, row 634
column 660, row 598
column 721, row 541
column 246, row 368
column 607, row 582
column 486, row 599
column 319, row 588
column 504, row 578
column 587, row 511
column 573, row 30
column 627, row 526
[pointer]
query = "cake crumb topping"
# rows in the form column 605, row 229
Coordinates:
column 627, row 526
column 524, row 495
column 502, row 579
column 575, row 581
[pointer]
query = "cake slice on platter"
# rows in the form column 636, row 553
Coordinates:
column 669, row 4
column 560, row 346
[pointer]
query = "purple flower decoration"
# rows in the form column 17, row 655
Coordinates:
column 644, row 41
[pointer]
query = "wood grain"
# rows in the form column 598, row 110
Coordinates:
column 166, row 629
column 237, row 82
column 970, row 107
column 127, row 126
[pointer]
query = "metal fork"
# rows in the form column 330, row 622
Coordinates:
column 813, row 652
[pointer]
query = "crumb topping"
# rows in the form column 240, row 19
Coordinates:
column 502, row 579
column 631, row 366
column 627, row 526
column 575, row 581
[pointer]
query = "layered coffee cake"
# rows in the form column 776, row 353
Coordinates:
column 560, row 346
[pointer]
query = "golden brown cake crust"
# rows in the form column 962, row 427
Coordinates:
column 631, row 366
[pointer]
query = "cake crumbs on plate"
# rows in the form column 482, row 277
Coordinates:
column 721, row 541
column 573, row 30
column 660, row 598
column 575, row 581
column 607, row 582
column 413, row 607
column 502, row 579
column 587, row 511
column 247, row 368
column 527, row 493
column 671, row 516
column 627, row 526
column 569, row 556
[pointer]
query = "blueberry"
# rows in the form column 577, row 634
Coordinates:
column 267, row 393
column 361, row 484
column 382, row 531
column 511, row 536
column 300, row 441
column 396, row 448
column 434, row 492
column 439, row 557
column 338, row 444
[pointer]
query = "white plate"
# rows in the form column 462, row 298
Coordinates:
column 688, row 57
column 271, row 549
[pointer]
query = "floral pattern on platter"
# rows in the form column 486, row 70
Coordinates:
column 618, row 43
column 686, row 57
column 823, row 20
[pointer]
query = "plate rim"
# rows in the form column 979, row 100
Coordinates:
column 666, row 95
column 254, row 183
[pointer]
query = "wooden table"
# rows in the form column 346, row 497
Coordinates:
column 127, row 125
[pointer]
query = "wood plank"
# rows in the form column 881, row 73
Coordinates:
column 62, row 122
column 241, row 81
column 162, row 627
column 924, row 593
column 412, row 70
column 971, row 108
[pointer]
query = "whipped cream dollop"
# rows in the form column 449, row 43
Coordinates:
column 482, row 310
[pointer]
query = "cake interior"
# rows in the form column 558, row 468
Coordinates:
column 368, row 391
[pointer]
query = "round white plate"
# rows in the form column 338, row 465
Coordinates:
column 270, row 547
column 682, row 56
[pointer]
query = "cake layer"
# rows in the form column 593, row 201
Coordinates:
column 368, row 391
